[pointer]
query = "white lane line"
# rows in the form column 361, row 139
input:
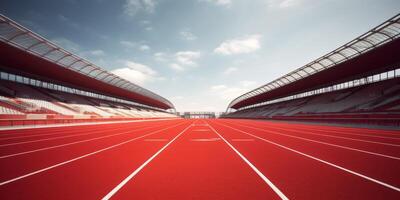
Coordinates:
column 205, row 139
column 83, row 156
column 259, row 173
column 59, row 137
column 156, row 140
column 347, row 133
column 81, row 124
column 317, row 159
column 358, row 134
column 325, row 143
column 340, row 137
column 71, row 132
column 128, row 178
column 71, row 143
column 242, row 140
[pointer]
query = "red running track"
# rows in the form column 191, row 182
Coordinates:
column 200, row 159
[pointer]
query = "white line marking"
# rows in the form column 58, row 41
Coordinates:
column 276, row 189
column 205, row 139
column 242, row 140
column 81, row 124
column 199, row 125
column 83, row 156
column 120, row 185
column 59, row 137
column 155, row 140
column 320, row 160
column 333, row 136
column 351, row 133
column 325, row 143
column 71, row 132
column 71, row 143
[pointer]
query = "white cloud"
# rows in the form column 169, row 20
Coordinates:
column 218, row 87
column 180, row 60
column 160, row 56
column 283, row 3
column 132, row 7
column 187, row 35
column 97, row 52
column 139, row 45
column 145, row 22
column 140, row 67
column 176, row 67
column 144, row 47
column 248, row 83
column 176, row 98
column 228, row 93
column 242, row 45
column 230, row 70
column 187, row 58
column 127, row 43
column 219, row 2
column 137, row 73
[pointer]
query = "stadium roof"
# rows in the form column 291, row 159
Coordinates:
column 377, row 37
column 20, row 37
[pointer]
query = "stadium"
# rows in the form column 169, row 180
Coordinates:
column 73, row 129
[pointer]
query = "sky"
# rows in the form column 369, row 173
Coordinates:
column 200, row 54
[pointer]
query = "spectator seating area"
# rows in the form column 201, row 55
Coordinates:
column 19, row 101
column 375, row 100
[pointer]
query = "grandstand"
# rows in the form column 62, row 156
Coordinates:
column 41, row 82
column 358, row 82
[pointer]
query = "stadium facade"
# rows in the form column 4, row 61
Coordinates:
column 43, row 83
column 356, row 83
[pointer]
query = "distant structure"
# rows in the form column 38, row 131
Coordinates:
column 198, row 115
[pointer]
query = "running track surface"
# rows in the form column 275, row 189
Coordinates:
column 200, row 159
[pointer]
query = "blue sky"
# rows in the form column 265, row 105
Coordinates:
column 200, row 54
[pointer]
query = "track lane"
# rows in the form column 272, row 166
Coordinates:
column 388, row 151
column 26, row 163
column 390, row 141
column 24, row 147
column 48, row 135
column 332, row 128
column 90, row 177
column 25, row 131
column 382, row 168
column 41, row 130
column 353, row 134
column 77, row 142
column 297, row 174
column 198, row 165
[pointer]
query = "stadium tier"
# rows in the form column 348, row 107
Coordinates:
column 41, row 82
column 358, row 82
